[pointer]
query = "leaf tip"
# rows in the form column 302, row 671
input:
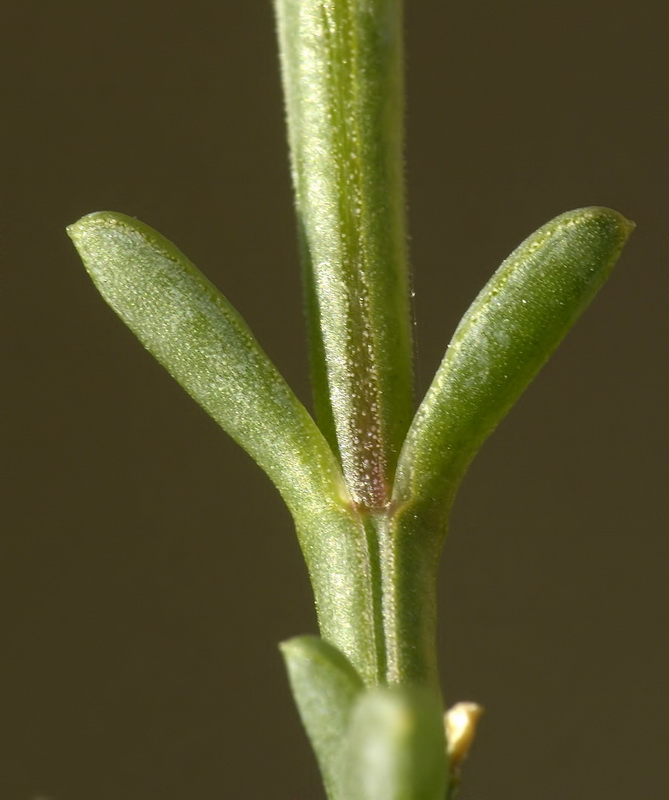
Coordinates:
column 79, row 228
column 297, row 645
column 619, row 226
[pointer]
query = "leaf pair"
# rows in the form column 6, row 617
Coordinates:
column 371, row 744
column 373, row 576
column 502, row 341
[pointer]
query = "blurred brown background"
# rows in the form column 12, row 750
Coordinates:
column 148, row 568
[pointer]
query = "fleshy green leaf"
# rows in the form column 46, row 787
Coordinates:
column 509, row 331
column 325, row 687
column 194, row 332
column 187, row 324
column 396, row 747
column 507, row 334
column 342, row 74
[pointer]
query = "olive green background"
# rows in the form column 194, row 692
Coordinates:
column 147, row 567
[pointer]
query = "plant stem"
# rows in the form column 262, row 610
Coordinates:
column 342, row 73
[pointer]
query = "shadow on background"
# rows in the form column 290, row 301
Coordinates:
column 148, row 569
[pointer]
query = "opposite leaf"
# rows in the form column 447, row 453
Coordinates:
column 187, row 324
column 190, row 327
column 509, row 331
column 396, row 747
column 325, row 687
column 504, row 338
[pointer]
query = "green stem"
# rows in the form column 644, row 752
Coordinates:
column 410, row 564
column 342, row 73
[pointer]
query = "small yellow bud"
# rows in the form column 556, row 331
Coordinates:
column 461, row 721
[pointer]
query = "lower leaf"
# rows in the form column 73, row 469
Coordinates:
column 325, row 687
column 396, row 747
